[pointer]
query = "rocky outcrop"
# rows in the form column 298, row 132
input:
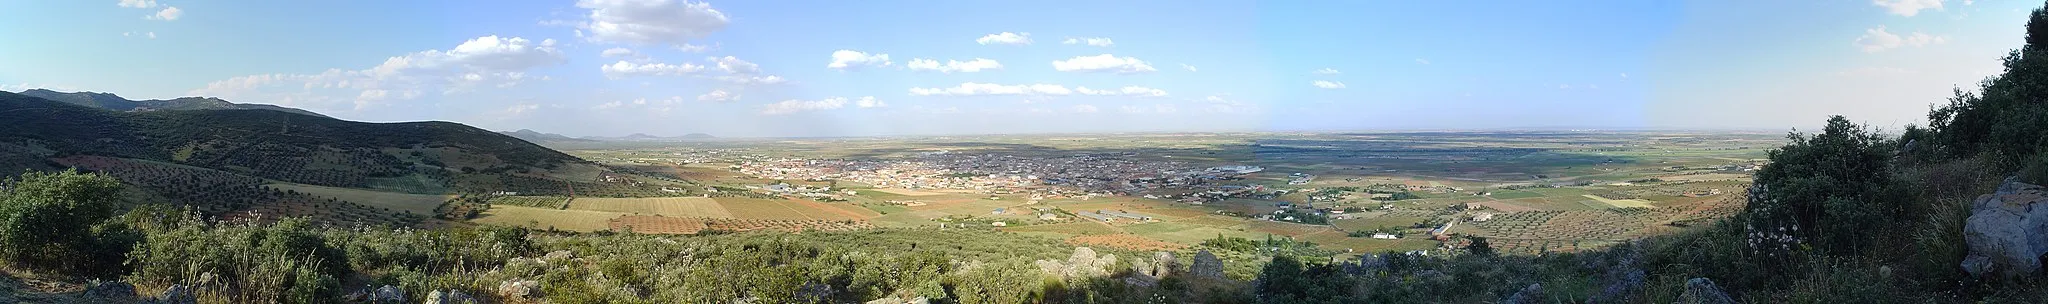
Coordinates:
column 1206, row 265
column 519, row 290
column 2007, row 231
column 449, row 297
column 1083, row 264
column 388, row 294
column 1528, row 295
column 178, row 294
column 1703, row 291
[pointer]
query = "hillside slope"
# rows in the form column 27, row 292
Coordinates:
column 117, row 103
column 430, row 157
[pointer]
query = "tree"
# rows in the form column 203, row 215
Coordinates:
column 1825, row 190
column 47, row 219
column 1479, row 246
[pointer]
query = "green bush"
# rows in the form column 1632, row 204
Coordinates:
column 47, row 221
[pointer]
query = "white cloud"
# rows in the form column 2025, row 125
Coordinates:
column 1091, row 41
column 674, row 22
column 623, row 69
column 734, row 65
column 793, row 106
column 1190, row 68
column 1421, row 61
column 869, row 102
column 1908, row 8
column 1877, row 39
column 1326, row 84
column 978, row 89
column 521, row 108
column 1564, row 86
column 851, row 59
column 989, row 89
column 152, row 35
column 620, row 52
column 489, row 60
column 1327, row 71
column 752, row 79
column 1005, row 38
column 1103, row 63
column 167, row 14
column 719, row 95
column 1086, row 109
column 1624, row 75
column 694, row 48
column 138, row 3
column 970, row 66
column 1125, row 91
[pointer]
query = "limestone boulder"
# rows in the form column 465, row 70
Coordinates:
column 2007, row 231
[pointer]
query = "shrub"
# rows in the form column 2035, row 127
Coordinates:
column 47, row 220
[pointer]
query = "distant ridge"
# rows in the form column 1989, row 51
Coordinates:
column 645, row 137
column 117, row 103
column 536, row 136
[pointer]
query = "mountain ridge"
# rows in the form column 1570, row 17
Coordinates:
column 115, row 102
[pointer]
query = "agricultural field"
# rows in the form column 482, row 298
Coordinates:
column 416, row 203
column 664, row 206
column 1538, row 191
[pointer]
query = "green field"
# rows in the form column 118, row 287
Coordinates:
column 422, row 204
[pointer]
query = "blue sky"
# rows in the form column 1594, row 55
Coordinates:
column 810, row 68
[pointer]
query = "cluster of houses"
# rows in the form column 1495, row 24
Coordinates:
column 1106, row 174
column 1114, row 216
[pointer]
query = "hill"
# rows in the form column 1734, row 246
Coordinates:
column 419, row 157
column 535, row 136
column 117, row 103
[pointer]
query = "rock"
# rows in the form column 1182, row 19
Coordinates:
column 558, row 255
column 1529, row 295
column 1206, row 265
column 2007, row 231
column 178, row 294
column 1703, row 291
column 388, row 294
column 114, row 290
column 449, row 297
column 519, row 289
column 1164, row 263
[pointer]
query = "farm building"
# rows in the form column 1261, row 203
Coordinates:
column 1482, row 217
column 1384, row 236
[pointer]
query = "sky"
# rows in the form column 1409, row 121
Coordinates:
column 783, row 68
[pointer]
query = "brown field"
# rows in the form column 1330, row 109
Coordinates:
column 539, row 218
column 1124, row 241
column 657, row 224
column 662, row 206
column 1507, row 207
column 422, row 204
